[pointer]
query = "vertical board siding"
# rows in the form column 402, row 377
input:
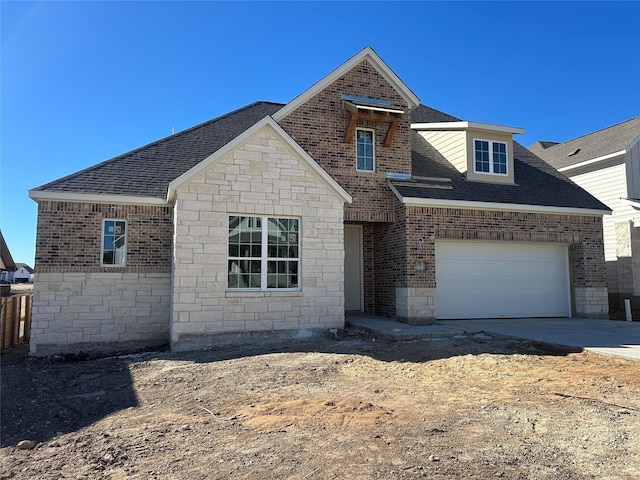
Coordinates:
column 15, row 320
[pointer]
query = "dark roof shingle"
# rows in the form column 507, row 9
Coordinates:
column 587, row 147
column 536, row 182
column 148, row 170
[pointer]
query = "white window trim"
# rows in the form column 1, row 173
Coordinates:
column 264, row 258
column 126, row 234
column 491, row 165
column 373, row 139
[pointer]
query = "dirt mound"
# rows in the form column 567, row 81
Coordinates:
column 352, row 408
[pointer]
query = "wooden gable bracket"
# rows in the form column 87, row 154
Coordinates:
column 372, row 114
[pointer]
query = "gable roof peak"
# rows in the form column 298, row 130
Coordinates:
column 367, row 53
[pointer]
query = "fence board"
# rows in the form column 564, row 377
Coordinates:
column 15, row 320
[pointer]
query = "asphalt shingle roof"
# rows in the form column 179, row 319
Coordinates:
column 537, row 183
column 587, row 147
column 147, row 171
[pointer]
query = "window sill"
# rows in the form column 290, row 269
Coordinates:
column 262, row 293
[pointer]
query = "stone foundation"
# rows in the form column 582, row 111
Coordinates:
column 591, row 303
column 75, row 312
column 416, row 306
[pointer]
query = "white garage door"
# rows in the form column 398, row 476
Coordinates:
column 501, row 280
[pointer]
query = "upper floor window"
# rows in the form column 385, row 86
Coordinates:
column 114, row 243
column 264, row 253
column 490, row 156
column 365, row 150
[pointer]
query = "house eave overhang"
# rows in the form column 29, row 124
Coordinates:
column 38, row 195
column 247, row 134
column 365, row 54
column 509, row 207
column 467, row 126
column 593, row 161
column 635, row 203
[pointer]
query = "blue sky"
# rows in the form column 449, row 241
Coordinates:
column 82, row 82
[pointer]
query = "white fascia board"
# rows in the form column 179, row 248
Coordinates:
column 37, row 195
column 246, row 135
column 366, row 53
column 593, row 161
column 510, row 207
column 377, row 109
column 631, row 201
column 465, row 126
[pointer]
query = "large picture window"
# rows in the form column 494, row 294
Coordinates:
column 114, row 243
column 365, row 151
column 264, row 253
column 490, row 156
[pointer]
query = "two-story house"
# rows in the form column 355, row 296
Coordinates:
column 606, row 163
column 277, row 220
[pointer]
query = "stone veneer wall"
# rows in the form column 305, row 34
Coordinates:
column 260, row 177
column 80, row 305
column 318, row 126
column 415, row 291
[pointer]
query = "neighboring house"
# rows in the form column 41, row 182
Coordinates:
column 7, row 265
column 606, row 163
column 23, row 274
column 277, row 219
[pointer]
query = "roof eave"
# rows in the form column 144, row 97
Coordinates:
column 39, row 195
column 511, row 207
column 592, row 162
column 465, row 125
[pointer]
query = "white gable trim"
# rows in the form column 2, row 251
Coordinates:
column 366, row 53
column 510, row 207
column 466, row 125
column 631, row 201
column 246, row 135
column 593, row 161
column 95, row 198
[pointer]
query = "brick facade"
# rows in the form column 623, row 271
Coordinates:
column 80, row 305
column 582, row 233
column 69, row 237
column 260, row 177
column 319, row 125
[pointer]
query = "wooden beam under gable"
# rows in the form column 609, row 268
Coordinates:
column 374, row 114
column 351, row 127
column 389, row 136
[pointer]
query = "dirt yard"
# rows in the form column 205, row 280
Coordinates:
column 348, row 408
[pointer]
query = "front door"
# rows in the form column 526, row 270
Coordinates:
column 353, row 292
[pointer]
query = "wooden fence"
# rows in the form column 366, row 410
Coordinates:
column 15, row 320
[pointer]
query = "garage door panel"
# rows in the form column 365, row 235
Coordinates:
column 501, row 279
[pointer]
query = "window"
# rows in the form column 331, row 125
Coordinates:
column 114, row 243
column 490, row 156
column 365, row 150
column 264, row 253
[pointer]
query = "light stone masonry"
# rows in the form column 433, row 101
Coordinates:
column 93, row 310
column 253, row 186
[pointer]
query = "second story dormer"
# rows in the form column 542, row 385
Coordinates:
column 481, row 152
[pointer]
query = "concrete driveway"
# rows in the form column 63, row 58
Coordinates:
column 607, row 337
